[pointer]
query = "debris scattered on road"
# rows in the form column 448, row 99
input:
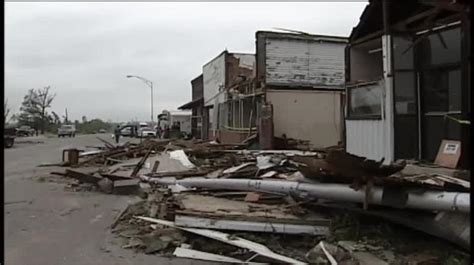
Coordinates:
column 220, row 202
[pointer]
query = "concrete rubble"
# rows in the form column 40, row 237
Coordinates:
column 233, row 205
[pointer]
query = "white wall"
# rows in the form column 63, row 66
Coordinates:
column 364, row 65
column 374, row 139
column 366, row 138
column 307, row 115
column 213, row 77
column 303, row 62
column 184, row 120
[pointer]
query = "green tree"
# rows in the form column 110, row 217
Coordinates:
column 93, row 126
column 56, row 119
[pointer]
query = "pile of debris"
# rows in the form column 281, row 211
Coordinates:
column 267, row 206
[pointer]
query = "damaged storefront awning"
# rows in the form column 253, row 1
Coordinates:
column 191, row 104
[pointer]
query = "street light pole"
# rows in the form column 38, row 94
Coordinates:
column 150, row 84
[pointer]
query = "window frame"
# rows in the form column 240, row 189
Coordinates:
column 351, row 116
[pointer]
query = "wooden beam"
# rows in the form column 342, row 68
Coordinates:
column 447, row 5
column 368, row 37
column 404, row 24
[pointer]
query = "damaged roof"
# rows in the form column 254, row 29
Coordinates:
column 371, row 19
column 301, row 36
column 192, row 103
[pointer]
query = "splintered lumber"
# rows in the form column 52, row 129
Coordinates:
column 141, row 163
column 82, row 177
column 114, row 177
column 201, row 255
column 107, row 144
column 179, row 174
column 231, row 240
column 126, row 187
column 268, row 226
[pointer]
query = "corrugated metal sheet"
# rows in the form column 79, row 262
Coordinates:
column 366, row 138
column 304, row 63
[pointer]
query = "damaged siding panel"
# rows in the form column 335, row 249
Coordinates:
column 245, row 60
column 238, row 65
column 366, row 138
column 213, row 78
column 304, row 63
column 307, row 115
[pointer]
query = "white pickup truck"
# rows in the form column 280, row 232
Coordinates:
column 67, row 130
column 144, row 132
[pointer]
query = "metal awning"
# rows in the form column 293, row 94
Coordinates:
column 192, row 104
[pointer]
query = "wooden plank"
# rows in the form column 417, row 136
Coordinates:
column 82, row 177
column 200, row 255
column 243, row 217
column 228, row 239
column 141, row 163
column 107, row 144
column 178, row 174
column 268, row 226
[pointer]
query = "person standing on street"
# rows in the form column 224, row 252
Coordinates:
column 117, row 134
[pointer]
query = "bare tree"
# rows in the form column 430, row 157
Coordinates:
column 44, row 100
column 33, row 109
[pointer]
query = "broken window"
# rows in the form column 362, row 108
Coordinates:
column 442, row 90
column 405, row 92
column 402, row 53
column 239, row 114
column 365, row 101
column 439, row 48
column 366, row 62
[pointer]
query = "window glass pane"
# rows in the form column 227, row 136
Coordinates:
column 402, row 60
column 433, row 52
column 435, row 91
column 365, row 100
column 405, row 93
column 454, row 79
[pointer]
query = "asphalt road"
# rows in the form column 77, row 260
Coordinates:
column 46, row 225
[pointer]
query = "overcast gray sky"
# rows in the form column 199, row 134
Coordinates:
column 85, row 50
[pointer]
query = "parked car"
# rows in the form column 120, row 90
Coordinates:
column 25, row 131
column 67, row 130
column 126, row 131
column 102, row 131
column 9, row 137
column 146, row 132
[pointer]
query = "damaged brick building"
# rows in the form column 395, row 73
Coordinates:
column 196, row 105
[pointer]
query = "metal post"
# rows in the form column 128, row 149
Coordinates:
column 151, row 86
